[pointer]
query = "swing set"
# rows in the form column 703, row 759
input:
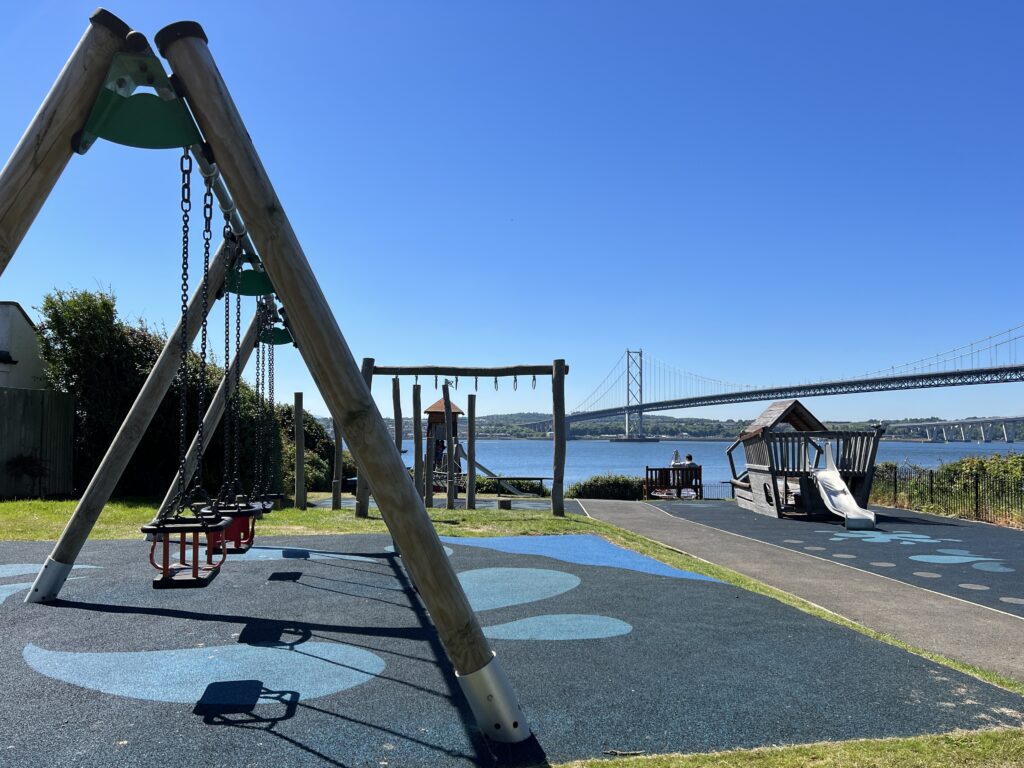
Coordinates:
column 115, row 87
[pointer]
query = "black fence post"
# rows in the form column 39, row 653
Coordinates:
column 977, row 495
column 931, row 486
column 895, row 484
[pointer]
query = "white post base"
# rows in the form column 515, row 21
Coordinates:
column 49, row 581
column 494, row 703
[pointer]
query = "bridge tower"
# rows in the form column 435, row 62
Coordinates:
column 634, row 393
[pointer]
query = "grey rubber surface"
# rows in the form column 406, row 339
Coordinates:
column 978, row 562
column 703, row 666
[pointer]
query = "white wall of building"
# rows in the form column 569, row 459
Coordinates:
column 19, row 342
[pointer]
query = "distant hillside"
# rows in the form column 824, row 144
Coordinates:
column 507, row 425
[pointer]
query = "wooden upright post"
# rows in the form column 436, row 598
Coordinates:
column 417, row 438
column 325, row 351
column 300, row 453
column 449, row 428
column 58, row 565
column 471, row 452
column 558, row 424
column 396, row 402
column 428, row 472
column 47, row 144
column 362, row 485
column 339, row 470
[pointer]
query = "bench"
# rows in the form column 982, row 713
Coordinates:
column 672, row 481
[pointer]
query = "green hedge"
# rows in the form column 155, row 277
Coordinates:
column 620, row 487
column 491, row 485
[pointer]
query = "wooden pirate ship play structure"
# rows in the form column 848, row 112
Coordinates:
column 796, row 466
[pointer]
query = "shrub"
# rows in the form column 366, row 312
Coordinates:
column 619, row 487
column 491, row 485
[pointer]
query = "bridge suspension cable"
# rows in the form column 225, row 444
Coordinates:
column 610, row 392
column 997, row 349
column 663, row 381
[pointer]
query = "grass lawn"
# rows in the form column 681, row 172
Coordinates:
column 44, row 520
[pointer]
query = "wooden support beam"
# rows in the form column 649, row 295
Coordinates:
column 326, row 352
column 471, row 452
column 213, row 415
column 133, row 428
column 47, row 144
column 417, row 438
column 339, row 472
column 558, row 370
column 300, row 453
column 362, row 484
column 466, row 372
column 449, row 428
column 429, row 466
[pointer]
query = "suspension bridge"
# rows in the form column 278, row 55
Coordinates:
column 639, row 383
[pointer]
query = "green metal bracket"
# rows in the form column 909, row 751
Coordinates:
column 144, row 120
column 249, row 282
column 277, row 336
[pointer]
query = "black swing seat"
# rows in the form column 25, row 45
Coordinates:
column 175, row 525
column 184, row 573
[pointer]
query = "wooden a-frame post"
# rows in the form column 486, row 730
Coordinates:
column 47, row 145
column 214, row 414
column 327, row 355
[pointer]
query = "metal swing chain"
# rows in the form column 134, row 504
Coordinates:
column 257, row 478
column 197, row 479
column 185, row 165
column 515, row 383
column 238, row 392
column 533, row 384
column 232, row 261
column 272, row 423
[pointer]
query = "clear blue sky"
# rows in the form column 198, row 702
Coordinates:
column 755, row 191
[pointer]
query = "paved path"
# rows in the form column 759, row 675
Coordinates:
column 952, row 626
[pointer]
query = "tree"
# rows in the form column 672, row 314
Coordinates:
column 89, row 352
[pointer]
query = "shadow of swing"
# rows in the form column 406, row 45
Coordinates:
column 233, row 702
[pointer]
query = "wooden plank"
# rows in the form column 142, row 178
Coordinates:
column 502, row 371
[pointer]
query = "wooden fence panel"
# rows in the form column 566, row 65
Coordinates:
column 36, row 428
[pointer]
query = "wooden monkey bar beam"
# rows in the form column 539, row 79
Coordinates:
column 454, row 370
column 329, row 359
column 46, row 146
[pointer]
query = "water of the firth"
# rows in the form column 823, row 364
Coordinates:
column 584, row 458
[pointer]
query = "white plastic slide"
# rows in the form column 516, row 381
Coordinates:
column 837, row 496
